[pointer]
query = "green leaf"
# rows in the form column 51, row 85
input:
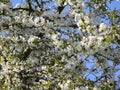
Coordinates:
column 107, row 39
column 46, row 85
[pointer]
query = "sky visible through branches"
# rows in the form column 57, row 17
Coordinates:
column 114, row 5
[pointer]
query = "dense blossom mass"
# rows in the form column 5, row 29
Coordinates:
column 59, row 45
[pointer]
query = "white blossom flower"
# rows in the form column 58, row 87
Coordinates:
column 36, row 20
column 102, row 27
column 0, row 47
column 43, row 67
column 100, row 38
column 77, row 88
column 33, row 40
column 17, row 19
column 88, row 28
column 83, row 4
column 87, row 19
column 78, row 19
column 54, row 36
column 17, row 5
column 78, row 46
column 84, row 88
column 65, row 86
column 16, row 69
column 3, row 5
column 96, row 88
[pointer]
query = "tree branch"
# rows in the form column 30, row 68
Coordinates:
column 26, row 9
column 39, row 4
column 30, row 7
